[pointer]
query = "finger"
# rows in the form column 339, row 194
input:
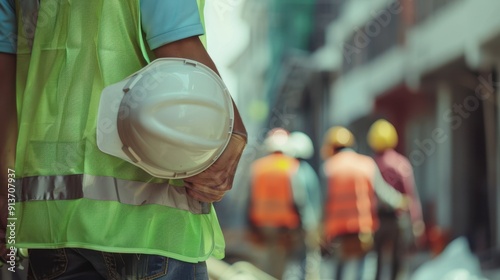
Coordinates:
column 203, row 189
column 204, row 197
column 217, row 172
column 211, row 178
column 208, row 177
column 206, row 190
column 214, row 189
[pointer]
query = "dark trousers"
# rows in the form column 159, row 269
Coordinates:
column 390, row 237
column 350, row 248
column 83, row 264
column 281, row 246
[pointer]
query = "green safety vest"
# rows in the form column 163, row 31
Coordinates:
column 69, row 193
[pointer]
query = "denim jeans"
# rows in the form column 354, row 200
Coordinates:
column 83, row 264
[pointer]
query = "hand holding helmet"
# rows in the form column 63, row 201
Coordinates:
column 175, row 119
column 211, row 184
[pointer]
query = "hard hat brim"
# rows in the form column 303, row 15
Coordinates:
column 108, row 139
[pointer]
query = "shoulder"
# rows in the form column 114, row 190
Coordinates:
column 368, row 160
column 401, row 159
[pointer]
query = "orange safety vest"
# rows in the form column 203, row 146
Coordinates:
column 351, row 202
column 272, row 203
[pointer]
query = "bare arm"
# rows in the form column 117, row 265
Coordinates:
column 8, row 134
column 210, row 185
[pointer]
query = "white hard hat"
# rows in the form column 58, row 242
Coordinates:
column 276, row 140
column 173, row 118
column 300, row 145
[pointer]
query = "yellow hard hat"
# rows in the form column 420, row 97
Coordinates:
column 382, row 136
column 336, row 137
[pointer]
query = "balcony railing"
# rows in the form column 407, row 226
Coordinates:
column 381, row 32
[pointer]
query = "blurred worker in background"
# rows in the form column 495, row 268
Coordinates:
column 274, row 214
column 397, row 229
column 354, row 183
column 308, row 200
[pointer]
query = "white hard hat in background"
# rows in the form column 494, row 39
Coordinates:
column 173, row 118
column 276, row 140
column 300, row 145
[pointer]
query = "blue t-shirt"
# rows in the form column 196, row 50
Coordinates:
column 8, row 28
column 163, row 22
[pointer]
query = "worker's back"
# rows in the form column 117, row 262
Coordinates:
column 271, row 201
column 350, row 206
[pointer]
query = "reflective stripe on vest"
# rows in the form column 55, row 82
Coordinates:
column 272, row 202
column 69, row 196
column 104, row 188
column 351, row 202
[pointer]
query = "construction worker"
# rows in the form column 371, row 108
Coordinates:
column 118, row 190
column 308, row 199
column 273, row 212
column 355, row 188
column 397, row 229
